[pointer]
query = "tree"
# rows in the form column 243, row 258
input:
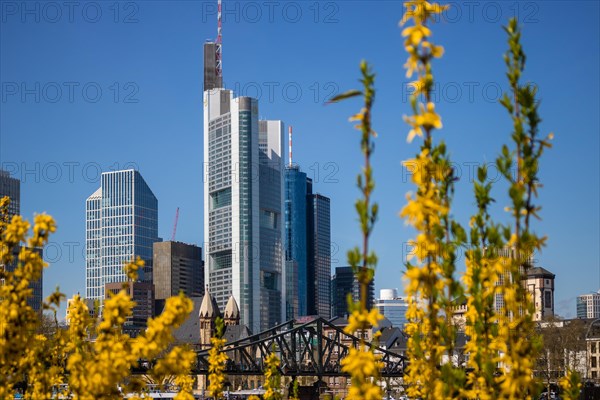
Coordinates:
column 563, row 345
column 38, row 357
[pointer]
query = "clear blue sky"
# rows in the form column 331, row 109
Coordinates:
column 102, row 85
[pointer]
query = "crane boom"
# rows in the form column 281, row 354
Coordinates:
column 175, row 225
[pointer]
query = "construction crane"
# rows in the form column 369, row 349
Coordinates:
column 175, row 225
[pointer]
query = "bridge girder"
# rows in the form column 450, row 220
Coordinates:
column 314, row 348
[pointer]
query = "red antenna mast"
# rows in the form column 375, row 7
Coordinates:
column 218, row 49
column 175, row 225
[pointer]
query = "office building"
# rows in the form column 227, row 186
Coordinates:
column 588, row 305
column 270, row 144
column 318, row 269
column 121, row 224
column 344, row 282
column 177, row 267
column 11, row 187
column 392, row 307
column 142, row 293
column 296, row 241
column 243, row 202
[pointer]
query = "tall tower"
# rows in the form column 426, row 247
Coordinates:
column 11, row 187
column 318, row 228
column 213, row 58
column 243, row 194
column 295, row 242
column 121, row 223
column 270, row 144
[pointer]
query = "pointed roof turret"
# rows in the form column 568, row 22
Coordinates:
column 209, row 307
column 232, row 311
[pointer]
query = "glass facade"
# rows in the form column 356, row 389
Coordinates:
column 121, row 223
column 243, row 197
column 343, row 283
column 11, row 187
column 220, row 212
column 394, row 310
column 319, row 254
column 295, row 241
column 270, row 222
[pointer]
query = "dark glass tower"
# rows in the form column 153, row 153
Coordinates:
column 318, row 228
column 342, row 283
column 296, row 238
column 11, row 187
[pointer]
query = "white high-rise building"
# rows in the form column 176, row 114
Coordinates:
column 243, row 203
column 588, row 305
column 121, row 223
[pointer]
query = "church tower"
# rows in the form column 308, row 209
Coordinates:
column 209, row 311
column 232, row 313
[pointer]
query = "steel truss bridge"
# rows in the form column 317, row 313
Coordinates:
column 314, row 348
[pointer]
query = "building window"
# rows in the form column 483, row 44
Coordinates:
column 593, row 347
column 593, row 362
column 548, row 299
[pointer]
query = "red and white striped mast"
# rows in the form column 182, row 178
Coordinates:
column 218, row 47
column 290, row 144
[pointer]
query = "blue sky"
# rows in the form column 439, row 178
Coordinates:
column 97, row 86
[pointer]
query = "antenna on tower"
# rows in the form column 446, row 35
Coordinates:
column 290, row 144
column 218, row 47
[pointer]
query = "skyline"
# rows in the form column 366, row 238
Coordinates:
column 165, row 76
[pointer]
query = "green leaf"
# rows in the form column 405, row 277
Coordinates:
column 344, row 96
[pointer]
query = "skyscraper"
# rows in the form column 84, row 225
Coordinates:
column 121, row 223
column 344, row 282
column 319, row 253
column 11, row 187
column 295, row 241
column 243, row 200
column 270, row 145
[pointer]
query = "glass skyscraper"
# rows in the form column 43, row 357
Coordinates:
column 121, row 224
column 11, row 187
column 295, row 242
column 344, row 282
column 319, row 253
column 243, row 201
